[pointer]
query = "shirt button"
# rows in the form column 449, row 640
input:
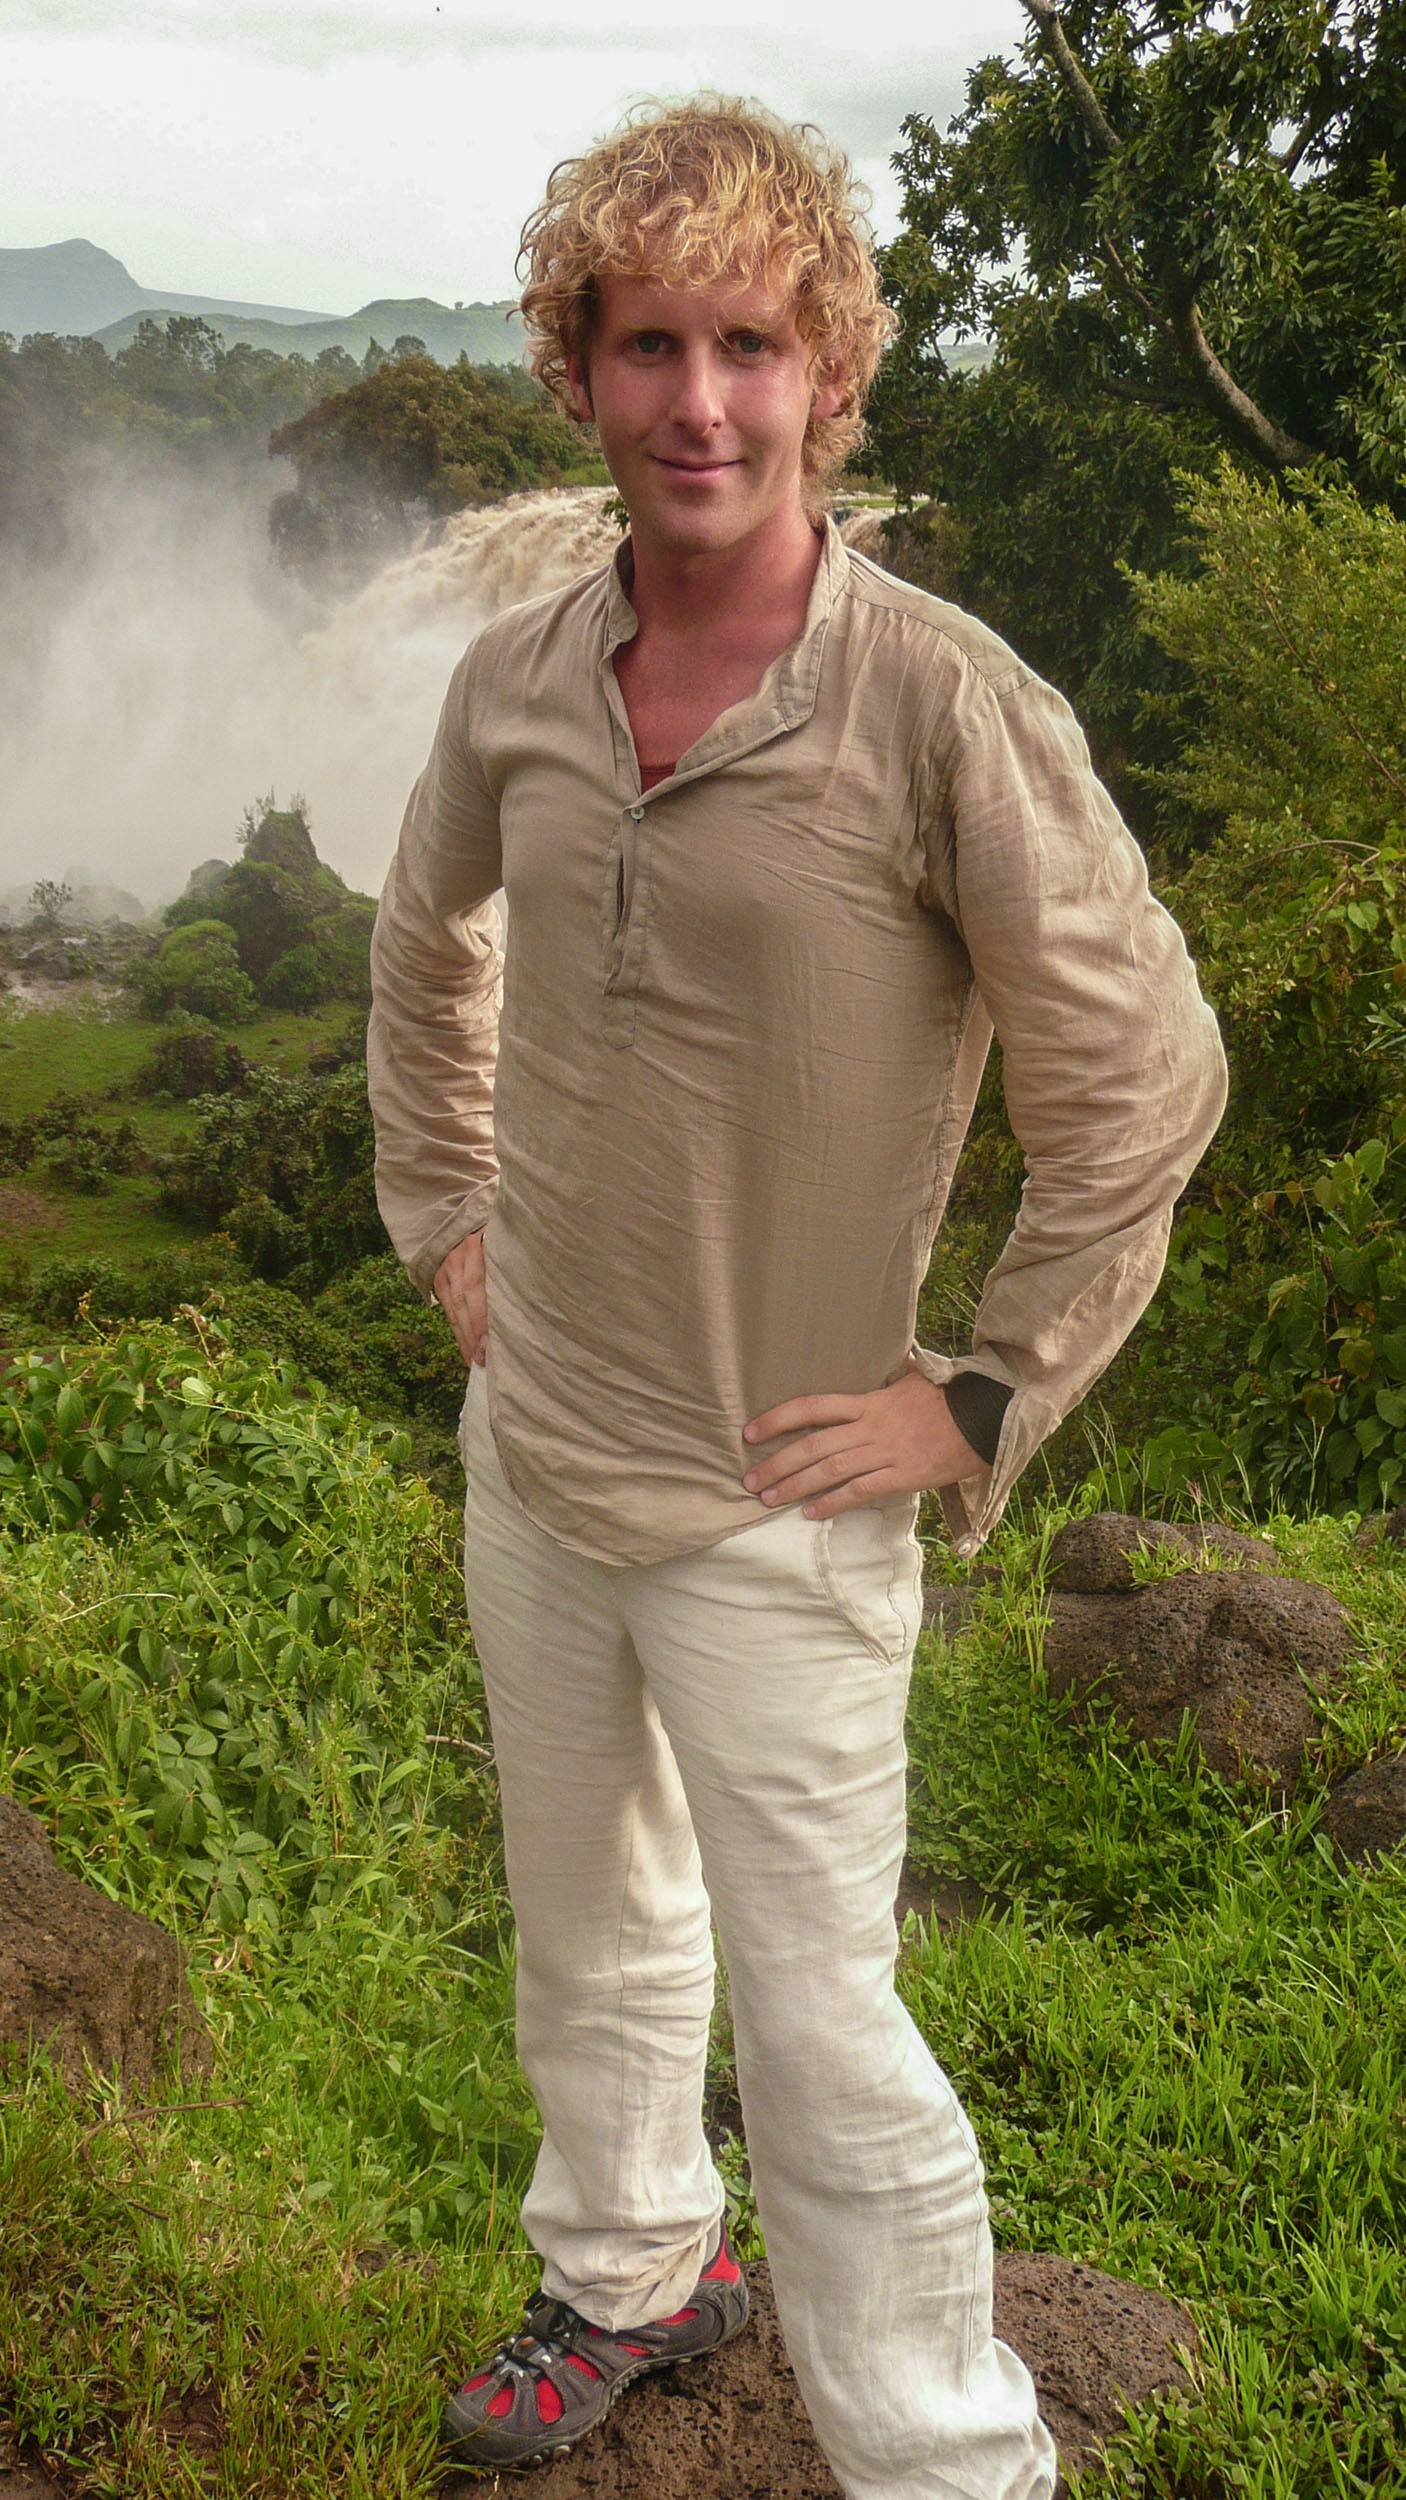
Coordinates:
column 637, row 815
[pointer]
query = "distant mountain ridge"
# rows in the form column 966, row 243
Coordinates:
column 77, row 289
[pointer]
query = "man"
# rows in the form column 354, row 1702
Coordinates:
column 782, row 839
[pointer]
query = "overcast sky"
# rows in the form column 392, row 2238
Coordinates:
column 320, row 156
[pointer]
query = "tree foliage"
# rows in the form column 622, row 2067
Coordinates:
column 286, row 1168
column 1294, row 630
column 175, row 391
column 1183, row 229
column 197, row 968
column 412, row 440
column 1285, row 1290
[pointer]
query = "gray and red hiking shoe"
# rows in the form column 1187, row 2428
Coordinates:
column 559, row 2375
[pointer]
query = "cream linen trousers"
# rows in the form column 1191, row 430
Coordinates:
column 720, row 1735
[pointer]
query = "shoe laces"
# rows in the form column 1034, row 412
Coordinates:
column 548, row 2332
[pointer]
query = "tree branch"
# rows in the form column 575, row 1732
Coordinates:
column 1223, row 395
column 1091, row 113
column 1181, row 322
column 1135, row 294
column 1313, row 126
column 1145, row 394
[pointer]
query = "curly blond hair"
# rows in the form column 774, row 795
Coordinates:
column 710, row 188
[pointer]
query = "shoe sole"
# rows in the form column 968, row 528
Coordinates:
column 618, row 2387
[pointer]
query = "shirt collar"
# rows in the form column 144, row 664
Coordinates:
column 790, row 685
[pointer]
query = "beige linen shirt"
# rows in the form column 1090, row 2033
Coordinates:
column 708, row 1098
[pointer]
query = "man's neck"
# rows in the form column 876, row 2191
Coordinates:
column 698, row 593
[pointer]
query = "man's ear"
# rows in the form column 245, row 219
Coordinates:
column 829, row 384
column 580, row 390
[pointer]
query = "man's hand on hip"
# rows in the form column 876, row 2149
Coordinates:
column 462, row 1296
column 863, row 1446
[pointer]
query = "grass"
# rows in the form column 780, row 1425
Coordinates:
column 85, row 1048
column 1181, row 2048
column 92, row 1047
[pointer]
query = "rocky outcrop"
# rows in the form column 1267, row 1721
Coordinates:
column 83, row 1977
column 1097, row 2348
column 1365, row 1816
column 1382, row 1527
column 732, row 2426
column 1232, row 1647
column 948, row 1603
column 1094, row 1555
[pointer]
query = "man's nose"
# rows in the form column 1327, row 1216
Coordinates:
column 697, row 401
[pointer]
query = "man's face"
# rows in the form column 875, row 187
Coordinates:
column 701, row 399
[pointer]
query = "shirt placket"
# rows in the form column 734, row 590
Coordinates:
column 630, row 853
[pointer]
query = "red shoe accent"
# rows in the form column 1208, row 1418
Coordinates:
column 587, row 2368
column 681, row 2317
column 501, row 2403
column 724, row 2268
column 549, row 2404
column 481, row 2379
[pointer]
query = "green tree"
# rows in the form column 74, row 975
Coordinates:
column 174, row 393
column 1181, row 226
column 295, row 980
column 286, row 1167
column 1292, row 630
column 269, row 910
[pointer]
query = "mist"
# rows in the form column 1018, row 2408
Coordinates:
column 164, row 670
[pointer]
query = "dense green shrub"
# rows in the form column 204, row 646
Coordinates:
column 1314, row 1417
column 296, row 979
column 270, row 1242
column 1294, row 630
column 87, row 1157
column 52, row 1289
column 342, row 940
column 296, row 1155
column 206, row 1711
column 55, row 1287
column 19, row 1144
column 197, row 967
column 190, row 1056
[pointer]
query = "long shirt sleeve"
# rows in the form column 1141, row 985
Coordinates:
column 1114, row 1074
column 436, row 984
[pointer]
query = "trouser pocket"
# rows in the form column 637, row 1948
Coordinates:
column 869, row 1564
column 463, row 1434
